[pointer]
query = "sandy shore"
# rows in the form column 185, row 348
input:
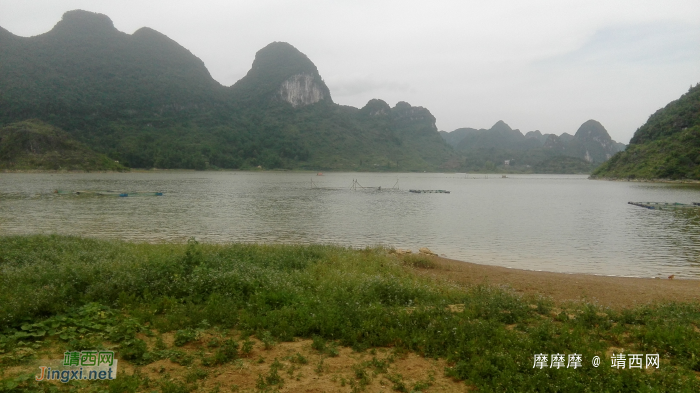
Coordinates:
column 613, row 292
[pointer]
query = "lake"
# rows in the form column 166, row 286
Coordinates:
column 559, row 223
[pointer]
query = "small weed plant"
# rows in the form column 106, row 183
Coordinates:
column 419, row 261
column 329, row 348
column 247, row 347
column 185, row 336
column 297, row 358
column 267, row 340
column 228, row 352
column 195, row 375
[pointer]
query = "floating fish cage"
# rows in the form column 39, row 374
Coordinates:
column 665, row 205
column 429, row 191
column 110, row 193
column 356, row 186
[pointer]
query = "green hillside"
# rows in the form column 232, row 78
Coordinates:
column 564, row 164
column 145, row 101
column 667, row 146
column 33, row 144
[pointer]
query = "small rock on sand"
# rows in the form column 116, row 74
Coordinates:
column 426, row 251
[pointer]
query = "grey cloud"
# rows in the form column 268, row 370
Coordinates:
column 356, row 86
column 649, row 43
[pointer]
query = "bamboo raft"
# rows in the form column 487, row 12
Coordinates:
column 665, row 205
column 429, row 191
column 109, row 193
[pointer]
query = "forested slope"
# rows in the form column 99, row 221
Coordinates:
column 667, row 146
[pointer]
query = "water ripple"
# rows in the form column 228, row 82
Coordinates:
column 538, row 222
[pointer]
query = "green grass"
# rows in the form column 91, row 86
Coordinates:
column 419, row 261
column 83, row 292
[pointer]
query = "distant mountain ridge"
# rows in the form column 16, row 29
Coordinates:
column 84, row 66
column 146, row 101
column 502, row 146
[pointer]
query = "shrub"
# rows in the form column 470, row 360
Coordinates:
column 182, row 337
column 133, row 350
column 227, row 352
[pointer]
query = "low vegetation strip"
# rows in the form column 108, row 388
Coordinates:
column 71, row 294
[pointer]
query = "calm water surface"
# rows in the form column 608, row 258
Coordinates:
column 541, row 222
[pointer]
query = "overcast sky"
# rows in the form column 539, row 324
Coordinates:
column 548, row 65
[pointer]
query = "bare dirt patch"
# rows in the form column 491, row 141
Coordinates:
column 291, row 367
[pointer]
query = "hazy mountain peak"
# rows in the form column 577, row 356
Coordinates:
column 281, row 71
column 594, row 142
column 84, row 22
column 157, row 47
column 501, row 126
column 376, row 107
column 159, row 42
column 565, row 136
column 404, row 110
column 404, row 114
column 593, row 130
column 146, row 33
column 282, row 57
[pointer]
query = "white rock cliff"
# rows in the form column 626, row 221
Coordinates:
column 301, row 90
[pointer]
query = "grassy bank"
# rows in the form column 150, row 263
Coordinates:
column 68, row 293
